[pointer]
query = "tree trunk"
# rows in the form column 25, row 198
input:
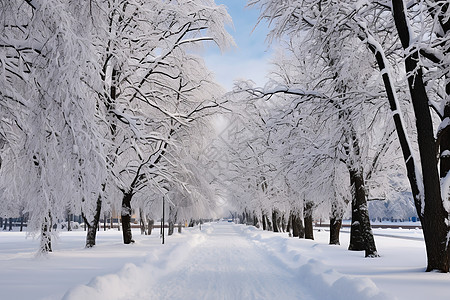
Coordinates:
column 92, row 226
column 150, row 222
column 308, row 218
column 46, row 239
column 434, row 216
column 298, row 230
column 361, row 224
column 172, row 220
column 10, row 224
column 275, row 220
column 356, row 238
column 255, row 220
column 283, row 223
column 171, row 228
column 126, row 218
column 337, row 213
column 335, row 227
column 361, row 237
column 301, row 230
column 91, row 235
column 142, row 221
column 295, row 225
column 21, row 222
column 269, row 224
column 264, row 222
column 69, row 226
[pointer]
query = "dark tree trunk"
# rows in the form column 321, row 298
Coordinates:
column 356, row 238
column 171, row 228
column 92, row 227
column 295, row 225
column 69, row 227
column 283, row 223
column 335, row 228
column 46, row 239
column 337, row 213
column 269, row 224
column 126, row 218
column 179, row 227
column 10, row 224
column 255, row 221
column 151, row 222
column 5, row 224
column 279, row 222
column 434, row 215
column 308, row 218
column 21, row 222
column 298, row 230
column 275, row 220
column 361, row 237
column 264, row 222
column 301, row 228
column 361, row 230
column 1, row 222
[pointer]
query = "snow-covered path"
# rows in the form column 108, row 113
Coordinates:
column 221, row 261
column 228, row 261
column 227, row 265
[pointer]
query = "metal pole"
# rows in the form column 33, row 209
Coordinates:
column 163, row 221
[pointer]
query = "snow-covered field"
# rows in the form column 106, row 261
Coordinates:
column 220, row 261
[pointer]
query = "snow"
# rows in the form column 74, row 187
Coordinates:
column 221, row 261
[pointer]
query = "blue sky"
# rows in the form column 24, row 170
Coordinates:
column 250, row 59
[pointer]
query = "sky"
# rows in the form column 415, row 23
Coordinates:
column 250, row 59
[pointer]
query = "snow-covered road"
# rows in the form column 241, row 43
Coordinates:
column 227, row 265
column 227, row 261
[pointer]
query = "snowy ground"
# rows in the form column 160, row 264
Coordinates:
column 221, row 261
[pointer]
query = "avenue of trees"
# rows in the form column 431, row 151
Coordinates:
column 355, row 84
column 105, row 106
column 101, row 104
